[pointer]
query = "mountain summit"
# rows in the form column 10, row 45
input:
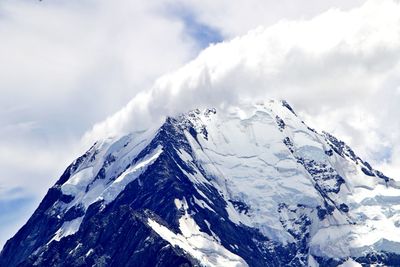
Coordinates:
column 251, row 185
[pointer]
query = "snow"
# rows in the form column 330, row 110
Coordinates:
column 67, row 228
column 77, row 182
column 245, row 151
column 102, row 192
column 377, row 230
column 133, row 172
column 350, row 263
column 90, row 252
column 79, row 245
column 114, row 156
column 198, row 244
column 202, row 204
column 312, row 262
column 245, row 159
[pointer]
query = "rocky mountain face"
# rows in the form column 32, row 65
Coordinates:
column 245, row 186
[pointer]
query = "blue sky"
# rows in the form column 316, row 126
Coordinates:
column 66, row 65
column 201, row 33
column 43, row 118
column 13, row 209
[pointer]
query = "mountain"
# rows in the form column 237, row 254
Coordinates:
column 250, row 185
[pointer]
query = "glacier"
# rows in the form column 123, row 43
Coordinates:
column 248, row 185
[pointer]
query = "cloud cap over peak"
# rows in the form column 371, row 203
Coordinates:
column 340, row 70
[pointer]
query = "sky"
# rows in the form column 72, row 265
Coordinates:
column 75, row 71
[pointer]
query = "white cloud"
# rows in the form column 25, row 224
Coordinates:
column 340, row 69
column 239, row 16
column 65, row 65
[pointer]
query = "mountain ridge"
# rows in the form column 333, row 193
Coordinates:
column 250, row 185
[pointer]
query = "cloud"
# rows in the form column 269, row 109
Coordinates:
column 239, row 16
column 66, row 65
column 339, row 69
column 202, row 33
column 16, row 205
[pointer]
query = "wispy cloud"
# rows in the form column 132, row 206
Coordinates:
column 68, row 64
column 339, row 69
column 236, row 17
column 204, row 34
column 65, row 65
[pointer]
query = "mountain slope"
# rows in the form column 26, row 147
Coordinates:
column 249, row 185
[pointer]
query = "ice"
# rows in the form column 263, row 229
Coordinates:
column 67, row 228
column 247, row 160
column 350, row 263
column 78, row 182
column 312, row 262
column 90, row 252
column 108, row 192
column 245, row 149
column 198, row 244
column 112, row 157
column 100, row 190
column 202, row 204
column 113, row 190
column 248, row 156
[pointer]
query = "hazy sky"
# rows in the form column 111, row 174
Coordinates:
column 66, row 65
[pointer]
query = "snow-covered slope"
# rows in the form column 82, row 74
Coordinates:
column 244, row 186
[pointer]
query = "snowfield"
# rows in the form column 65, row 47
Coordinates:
column 248, row 185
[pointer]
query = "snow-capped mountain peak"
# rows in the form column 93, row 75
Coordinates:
column 244, row 185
